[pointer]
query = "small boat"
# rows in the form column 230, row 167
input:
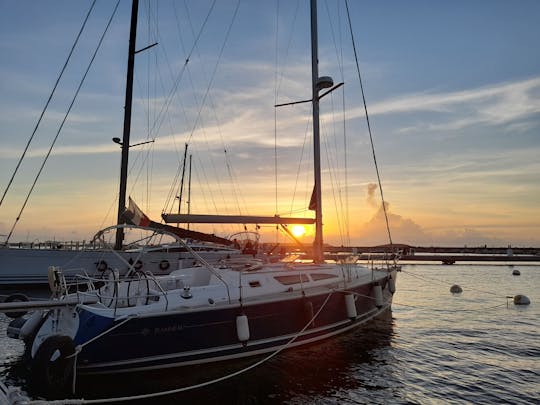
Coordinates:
column 204, row 313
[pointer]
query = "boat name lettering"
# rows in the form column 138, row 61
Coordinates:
column 168, row 329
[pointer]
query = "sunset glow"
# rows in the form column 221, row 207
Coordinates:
column 298, row 231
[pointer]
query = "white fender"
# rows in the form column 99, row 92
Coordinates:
column 30, row 325
column 391, row 285
column 350, row 306
column 242, row 328
column 377, row 290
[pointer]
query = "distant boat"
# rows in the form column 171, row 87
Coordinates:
column 23, row 267
column 205, row 313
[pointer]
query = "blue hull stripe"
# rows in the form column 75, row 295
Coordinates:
column 208, row 336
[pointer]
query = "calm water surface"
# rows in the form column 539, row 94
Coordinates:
column 434, row 347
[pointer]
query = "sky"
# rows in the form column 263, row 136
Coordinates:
column 452, row 91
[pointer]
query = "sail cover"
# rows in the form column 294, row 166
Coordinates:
column 134, row 215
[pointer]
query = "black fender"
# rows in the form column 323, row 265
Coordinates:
column 51, row 372
column 16, row 298
column 164, row 264
column 101, row 265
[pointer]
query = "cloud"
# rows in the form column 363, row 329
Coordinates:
column 403, row 230
column 371, row 189
column 407, row 231
column 498, row 104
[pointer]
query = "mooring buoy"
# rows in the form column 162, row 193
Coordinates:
column 521, row 299
column 456, row 289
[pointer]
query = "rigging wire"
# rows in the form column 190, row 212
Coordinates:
column 153, row 32
column 333, row 181
column 235, row 188
column 211, row 82
column 161, row 81
column 368, row 124
column 339, row 58
column 164, row 109
column 148, row 161
column 233, row 183
column 306, row 139
column 345, row 143
column 278, row 80
column 208, row 96
column 346, row 168
column 146, row 88
column 188, row 71
column 47, row 103
column 63, row 122
column 275, row 110
column 199, row 174
column 169, row 201
column 163, row 112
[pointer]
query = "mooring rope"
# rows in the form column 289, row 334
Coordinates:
column 357, row 294
column 449, row 310
column 426, row 278
column 79, row 348
column 444, row 282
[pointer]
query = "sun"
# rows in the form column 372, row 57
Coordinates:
column 298, row 230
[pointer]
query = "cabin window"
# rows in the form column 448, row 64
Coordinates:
column 292, row 279
column 254, row 284
column 322, row 276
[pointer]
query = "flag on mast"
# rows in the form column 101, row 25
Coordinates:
column 135, row 215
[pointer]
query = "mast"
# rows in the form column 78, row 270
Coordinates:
column 189, row 190
column 318, row 242
column 127, row 124
column 180, row 194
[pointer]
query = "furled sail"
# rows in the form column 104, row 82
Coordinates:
column 232, row 219
column 134, row 215
column 313, row 200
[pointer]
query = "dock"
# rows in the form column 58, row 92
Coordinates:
column 451, row 259
column 437, row 254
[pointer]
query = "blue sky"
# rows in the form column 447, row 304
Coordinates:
column 453, row 91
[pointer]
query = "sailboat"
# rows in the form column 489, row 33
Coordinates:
column 24, row 266
column 204, row 313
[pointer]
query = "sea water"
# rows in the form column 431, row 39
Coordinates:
column 434, row 347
